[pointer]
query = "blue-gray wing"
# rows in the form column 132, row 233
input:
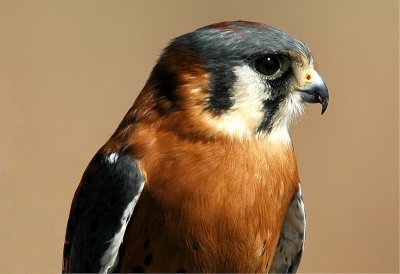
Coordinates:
column 291, row 241
column 100, row 213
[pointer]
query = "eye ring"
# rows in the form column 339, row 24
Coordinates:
column 271, row 65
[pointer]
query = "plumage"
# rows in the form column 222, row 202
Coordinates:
column 201, row 175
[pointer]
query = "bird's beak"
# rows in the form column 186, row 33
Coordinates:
column 314, row 90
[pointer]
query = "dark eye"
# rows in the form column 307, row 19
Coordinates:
column 269, row 65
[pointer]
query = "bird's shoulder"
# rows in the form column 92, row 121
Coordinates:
column 100, row 211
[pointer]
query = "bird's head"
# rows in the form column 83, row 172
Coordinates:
column 238, row 79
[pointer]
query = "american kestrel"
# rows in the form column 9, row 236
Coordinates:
column 201, row 175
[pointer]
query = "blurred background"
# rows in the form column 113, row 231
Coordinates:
column 70, row 70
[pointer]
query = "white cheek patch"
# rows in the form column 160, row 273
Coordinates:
column 246, row 114
column 292, row 107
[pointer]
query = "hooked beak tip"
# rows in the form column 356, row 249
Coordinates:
column 324, row 106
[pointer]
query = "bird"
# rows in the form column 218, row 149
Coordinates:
column 201, row 173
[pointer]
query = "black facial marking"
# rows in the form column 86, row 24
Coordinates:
column 222, row 81
column 166, row 84
column 196, row 245
column 146, row 243
column 270, row 109
column 282, row 84
column 137, row 269
column 148, row 259
column 279, row 90
column 181, row 270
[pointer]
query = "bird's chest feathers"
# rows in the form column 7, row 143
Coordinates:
column 234, row 177
column 217, row 198
column 207, row 181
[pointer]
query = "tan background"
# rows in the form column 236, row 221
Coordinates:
column 69, row 70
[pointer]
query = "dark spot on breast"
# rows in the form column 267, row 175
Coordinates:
column 146, row 243
column 181, row 270
column 148, row 259
column 196, row 245
column 137, row 269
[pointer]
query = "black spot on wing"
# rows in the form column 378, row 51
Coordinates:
column 97, row 219
column 148, row 259
column 295, row 263
column 181, row 270
column 146, row 243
